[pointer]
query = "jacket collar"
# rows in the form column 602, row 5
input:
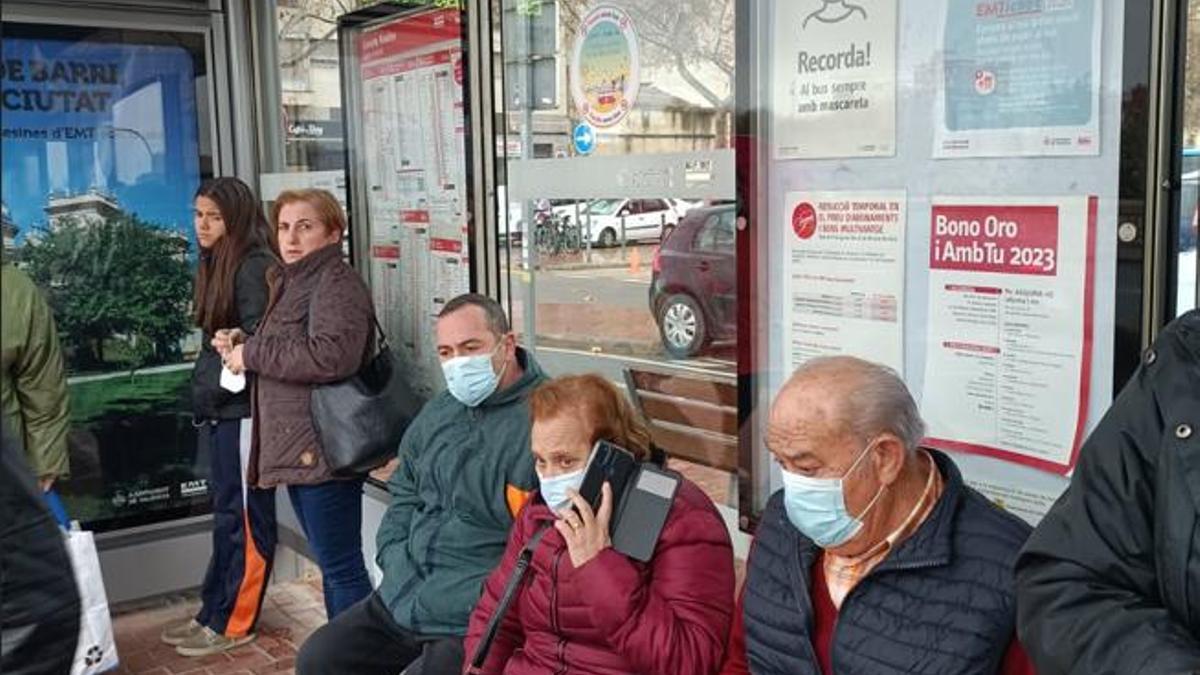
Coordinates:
column 531, row 376
column 312, row 263
column 929, row 546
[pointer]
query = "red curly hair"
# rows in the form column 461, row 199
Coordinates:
column 598, row 404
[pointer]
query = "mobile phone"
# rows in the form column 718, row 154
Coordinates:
column 612, row 463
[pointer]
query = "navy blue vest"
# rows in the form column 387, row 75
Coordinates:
column 942, row 603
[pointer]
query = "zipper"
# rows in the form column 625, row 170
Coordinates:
column 554, row 624
column 882, row 569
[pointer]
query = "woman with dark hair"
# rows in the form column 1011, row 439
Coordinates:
column 236, row 251
column 584, row 606
column 318, row 329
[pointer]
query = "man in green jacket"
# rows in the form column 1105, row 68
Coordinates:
column 33, row 382
column 464, row 472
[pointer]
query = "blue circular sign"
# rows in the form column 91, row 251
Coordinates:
column 584, row 138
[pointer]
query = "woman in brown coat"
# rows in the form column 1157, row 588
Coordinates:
column 317, row 330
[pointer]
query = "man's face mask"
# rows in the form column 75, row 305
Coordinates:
column 817, row 506
column 471, row 379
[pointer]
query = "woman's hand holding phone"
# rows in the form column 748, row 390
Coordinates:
column 586, row 532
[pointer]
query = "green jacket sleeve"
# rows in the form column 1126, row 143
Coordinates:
column 40, row 382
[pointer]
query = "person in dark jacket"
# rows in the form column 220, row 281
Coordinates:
column 464, row 473
column 875, row 558
column 230, row 292
column 1109, row 583
column 39, row 602
column 317, row 329
column 584, row 607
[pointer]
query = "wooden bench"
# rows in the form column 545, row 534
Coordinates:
column 692, row 417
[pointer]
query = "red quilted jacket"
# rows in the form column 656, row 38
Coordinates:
column 615, row 615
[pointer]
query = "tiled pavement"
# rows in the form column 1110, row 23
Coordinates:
column 292, row 611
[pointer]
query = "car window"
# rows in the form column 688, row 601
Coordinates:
column 605, row 207
column 651, row 205
column 717, row 233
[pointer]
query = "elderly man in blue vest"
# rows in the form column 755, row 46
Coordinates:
column 874, row 558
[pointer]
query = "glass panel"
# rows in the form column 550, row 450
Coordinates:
column 956, row 190
column 310, row 85
column 102, row 149
column 629, row 102
column 1189, row 211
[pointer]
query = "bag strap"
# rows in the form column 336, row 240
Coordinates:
column 510, row 591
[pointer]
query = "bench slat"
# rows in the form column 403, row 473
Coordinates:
column 716, row 392
column 698, row 414
column 709, row 449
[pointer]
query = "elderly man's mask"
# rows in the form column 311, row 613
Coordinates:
column 817, row 506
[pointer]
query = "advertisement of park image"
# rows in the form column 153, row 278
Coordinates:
column 101, row 155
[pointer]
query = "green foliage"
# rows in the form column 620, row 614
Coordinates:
column 123, row 277
column 142, row 394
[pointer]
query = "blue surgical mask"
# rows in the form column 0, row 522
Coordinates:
column 471, row 379
column 554, row 489
column 817, row 506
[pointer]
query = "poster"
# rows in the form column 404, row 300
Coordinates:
column 605, row 67
column 1021, row 79
column 1010, row 327
column 834, row 79
column 411, row 72
column 844, row 283
column 101, row 155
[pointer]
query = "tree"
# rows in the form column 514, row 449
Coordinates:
column 121, row 278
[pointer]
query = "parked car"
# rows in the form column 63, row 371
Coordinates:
column 644, row 220
column 693, row 284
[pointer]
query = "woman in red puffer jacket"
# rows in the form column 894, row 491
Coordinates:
column 584, row 607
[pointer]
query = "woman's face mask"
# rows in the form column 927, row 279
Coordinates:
column 471, row 379
column 817, row 506
column 554, row 489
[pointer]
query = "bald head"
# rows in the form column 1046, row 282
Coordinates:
column 841, row 396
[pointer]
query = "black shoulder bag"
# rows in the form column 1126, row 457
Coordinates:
column 360, row 420
column 510, row 591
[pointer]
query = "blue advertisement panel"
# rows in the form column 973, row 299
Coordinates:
column 101, row 155
column 1021, row 78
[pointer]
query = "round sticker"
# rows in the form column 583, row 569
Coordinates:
column 804, row 220
column 985, row 82
column 605, row 71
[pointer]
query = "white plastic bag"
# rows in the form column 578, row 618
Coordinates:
column 97, row 650
column 232, row 382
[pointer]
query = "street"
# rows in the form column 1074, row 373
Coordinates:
column 583, row 311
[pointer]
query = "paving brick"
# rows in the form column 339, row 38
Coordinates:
column 249, row 659
column 138, row 662
column 281, row 651
column 281, row 666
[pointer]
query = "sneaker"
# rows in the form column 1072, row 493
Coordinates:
column 180, row 631
column 207, row 641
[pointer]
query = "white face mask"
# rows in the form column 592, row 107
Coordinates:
column 554, row 489
column 817, row 506
column 471, row 379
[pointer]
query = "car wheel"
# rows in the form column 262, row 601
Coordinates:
column 681, row 325
column 608, row 238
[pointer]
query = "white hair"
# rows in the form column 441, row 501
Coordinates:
column 874, row 399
